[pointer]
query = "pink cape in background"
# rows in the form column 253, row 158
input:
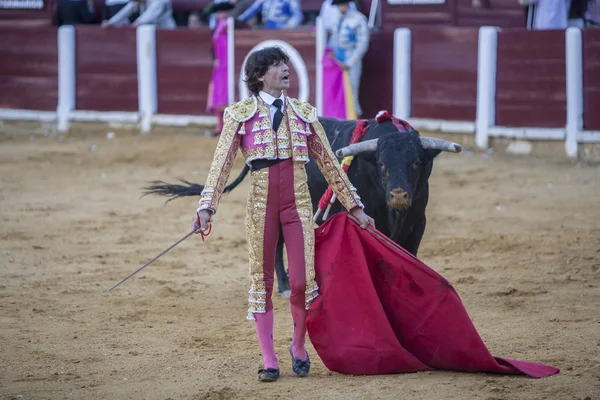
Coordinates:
column 380, row 311
column 338, row 101
column 217, row 88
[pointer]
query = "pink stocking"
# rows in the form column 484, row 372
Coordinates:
column 264, row 329
column 299, row 318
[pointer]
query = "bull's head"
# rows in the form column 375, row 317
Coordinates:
column 403, row 161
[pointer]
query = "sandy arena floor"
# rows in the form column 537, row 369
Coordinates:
column 518, row 237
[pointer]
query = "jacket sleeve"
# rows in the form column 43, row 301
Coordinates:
column 124, row 13
column 251, row 11
column 154, row 11
column 319, row 148
column 297, row 15
column 229, row 143
column 362, row 42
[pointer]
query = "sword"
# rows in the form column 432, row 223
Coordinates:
column 163, row 252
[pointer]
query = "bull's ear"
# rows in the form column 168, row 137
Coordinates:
column 430, row 154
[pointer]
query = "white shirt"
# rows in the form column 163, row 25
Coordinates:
column 551, row 14
column 331, row 15
column 268, row 99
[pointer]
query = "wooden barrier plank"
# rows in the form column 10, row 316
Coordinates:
column 29, row 68
column 591, row 79
column 106, row 65
column 531, row 82
column 444, row 73
column 184, row 68
column 377, row 81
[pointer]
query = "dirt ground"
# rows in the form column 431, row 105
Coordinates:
column 518, row 237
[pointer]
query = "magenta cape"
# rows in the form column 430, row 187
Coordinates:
column 380, row 311
column 338, row 101
column 217, row 90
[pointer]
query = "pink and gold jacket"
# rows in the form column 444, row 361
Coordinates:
column 247, row 126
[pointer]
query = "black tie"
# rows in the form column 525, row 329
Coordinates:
column 278, row 114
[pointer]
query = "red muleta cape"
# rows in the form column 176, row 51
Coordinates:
column 380, row 310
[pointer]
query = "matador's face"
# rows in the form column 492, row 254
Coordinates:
column 277, row 77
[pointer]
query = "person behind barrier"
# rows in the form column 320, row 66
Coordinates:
column 276, row 134
column 74, row 12
column 549, row 14
column 218, row 87
column 349, row 42
column 276, row 14
column 152, row 12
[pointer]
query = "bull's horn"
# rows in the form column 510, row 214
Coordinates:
column 440, row 144
column 354, row 149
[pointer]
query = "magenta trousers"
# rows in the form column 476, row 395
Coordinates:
column 279, row 196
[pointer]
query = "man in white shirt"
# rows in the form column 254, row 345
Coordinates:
column 549, row 14
column 350, row 42
column 153, row 12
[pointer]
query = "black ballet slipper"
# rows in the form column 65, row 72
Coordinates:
column 268, row 375
column 300, row 367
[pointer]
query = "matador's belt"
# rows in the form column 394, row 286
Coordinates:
column 260, row 164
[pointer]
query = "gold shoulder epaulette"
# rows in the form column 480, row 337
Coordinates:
column 305, row 111
column 243, row 110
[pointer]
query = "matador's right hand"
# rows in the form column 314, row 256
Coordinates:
column 200, row 223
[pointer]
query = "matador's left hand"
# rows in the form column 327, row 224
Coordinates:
column 363, row 219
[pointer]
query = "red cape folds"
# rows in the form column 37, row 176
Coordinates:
column 380, row 311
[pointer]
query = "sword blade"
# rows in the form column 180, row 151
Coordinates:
column 154, row 259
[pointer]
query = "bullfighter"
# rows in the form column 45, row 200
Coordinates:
column 276, row 134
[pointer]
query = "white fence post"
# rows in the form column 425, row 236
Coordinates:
column 402, row 61
column 486, row 84
column 146, row 69
column 320, row 49
column 230, row 60
column 66, row 76
column 574, row 71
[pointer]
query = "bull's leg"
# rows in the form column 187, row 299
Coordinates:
column 414, row 240
column 283, row 283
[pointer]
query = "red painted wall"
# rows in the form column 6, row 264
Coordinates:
column 184, row 68
column 503, row 13
column 444, row 73
column 106, row 65
column 591, row 79
column 531, row 81
column 28, row 68
column 376, row 85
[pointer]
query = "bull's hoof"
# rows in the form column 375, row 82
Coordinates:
column 286, row 293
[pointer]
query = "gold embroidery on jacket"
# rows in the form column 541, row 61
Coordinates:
column 331, row 169
column 256, row 211
column 304, row 209
column 220, row 168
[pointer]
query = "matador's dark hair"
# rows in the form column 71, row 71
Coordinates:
column 258, row 64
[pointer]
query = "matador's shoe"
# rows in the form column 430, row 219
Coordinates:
column 300, row 367
column 268, row 375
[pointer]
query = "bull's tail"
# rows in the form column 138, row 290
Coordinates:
column 161, row 188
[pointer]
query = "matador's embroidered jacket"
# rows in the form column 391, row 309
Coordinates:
column 247, row 126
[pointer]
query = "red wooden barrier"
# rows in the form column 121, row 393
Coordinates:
column 28, row 68
column 377, row 81
column 531, row 80
column 184, row 68
column 302, row 40
column 106, row 67
column 444, row 73
column 591, row 79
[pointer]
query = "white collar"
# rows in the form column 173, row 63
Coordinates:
column 267, row 98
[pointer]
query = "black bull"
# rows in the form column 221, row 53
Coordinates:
column 390, row 170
